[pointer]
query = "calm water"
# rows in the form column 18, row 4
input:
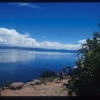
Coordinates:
column 21, row 65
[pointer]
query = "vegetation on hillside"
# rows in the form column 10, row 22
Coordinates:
column 86, row 77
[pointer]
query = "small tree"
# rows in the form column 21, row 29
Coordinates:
column 86, row 79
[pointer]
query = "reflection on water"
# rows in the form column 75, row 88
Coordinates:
column 15, row 56
column 22, row 56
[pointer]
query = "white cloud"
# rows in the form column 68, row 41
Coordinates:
column 14, row 38
column 82, row 41
column 58, row 45
column 27, row 4
column 2, row 40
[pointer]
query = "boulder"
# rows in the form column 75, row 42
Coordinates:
column 37, row 82
column 31, row 83
column 26, row 84
column 16, row 85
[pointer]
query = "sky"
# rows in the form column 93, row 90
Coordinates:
column 48, row 25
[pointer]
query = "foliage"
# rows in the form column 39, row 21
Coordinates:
column 65, row 89
column 43, row 80
column 47, row 74
column 51, row 79
column 7, row 84
column 86, row 77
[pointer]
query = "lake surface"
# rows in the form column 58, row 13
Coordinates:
column 22, row 65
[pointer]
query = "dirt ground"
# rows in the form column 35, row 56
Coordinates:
column 50, row 89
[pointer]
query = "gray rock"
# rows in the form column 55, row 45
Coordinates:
column 26, row 84
column 4, row 88
column 37, row 82
column 32, row 83
column 16, row 85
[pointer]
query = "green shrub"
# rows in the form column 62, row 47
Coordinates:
column 47, row 74
column 7, row 84
column 51, row 79
column 43, row 80
column 86, row 77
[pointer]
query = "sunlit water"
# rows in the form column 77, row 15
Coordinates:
column 21, row 65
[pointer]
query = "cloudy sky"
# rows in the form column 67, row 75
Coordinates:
column 48, row 25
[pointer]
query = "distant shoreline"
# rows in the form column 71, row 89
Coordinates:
column 39, row 49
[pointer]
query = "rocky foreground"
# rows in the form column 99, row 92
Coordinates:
column 54, row 88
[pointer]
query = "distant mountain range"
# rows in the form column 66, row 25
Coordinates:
column 38, row 49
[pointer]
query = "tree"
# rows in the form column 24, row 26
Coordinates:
column 86, row 77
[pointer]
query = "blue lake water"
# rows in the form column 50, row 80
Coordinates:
column 22, row 65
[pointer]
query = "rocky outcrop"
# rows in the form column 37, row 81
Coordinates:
column 51, row 89
column 37, row 82
column 16, row 85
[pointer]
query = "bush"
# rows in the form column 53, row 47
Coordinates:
column 47, row 74
column 43, row 80
column 51, row 79
column 85, row 79
column 8, row 83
